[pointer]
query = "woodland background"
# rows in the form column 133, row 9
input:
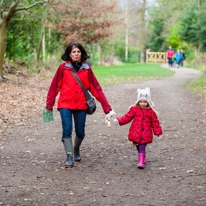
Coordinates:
column 37, row 32
column 34, row 34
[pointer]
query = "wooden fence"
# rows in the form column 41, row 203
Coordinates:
column 155, row 57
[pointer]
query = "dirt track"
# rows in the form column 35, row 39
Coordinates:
column 32, row 156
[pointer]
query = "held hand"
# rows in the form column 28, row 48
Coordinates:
column 115, row 121
column 109, row 116
column 159, row 137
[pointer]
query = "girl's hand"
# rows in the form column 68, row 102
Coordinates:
column 159, row 137
column 115, row 121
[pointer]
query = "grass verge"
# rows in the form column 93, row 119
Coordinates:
column 130, row 73
column 198, row 86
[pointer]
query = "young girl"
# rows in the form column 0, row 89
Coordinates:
column 145, row 120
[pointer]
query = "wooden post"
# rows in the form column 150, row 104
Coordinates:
column 148, row 50
column 155, row 57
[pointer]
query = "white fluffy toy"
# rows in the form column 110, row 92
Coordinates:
column 109, row 116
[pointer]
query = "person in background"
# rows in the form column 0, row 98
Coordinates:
column 183, row 58
column 72, row 101
column 178, row 58
column 170, row 54
column 174, row 59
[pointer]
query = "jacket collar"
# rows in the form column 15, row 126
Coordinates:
column 84, row 65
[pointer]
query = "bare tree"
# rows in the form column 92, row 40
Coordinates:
column 82, row 20
column 4, row 22
column 142, row 38
column 126, row 37
column 42, row 38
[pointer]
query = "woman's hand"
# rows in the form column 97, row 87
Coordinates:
column 49, row 108
column 109, row 116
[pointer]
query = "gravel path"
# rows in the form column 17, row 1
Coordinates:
column 32, row 156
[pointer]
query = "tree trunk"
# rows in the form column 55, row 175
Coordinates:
column 100, row 55
column 41, row 43
column 199, row 4
column 3, row 38
column 197, row 53
column 142, row 37
column 49, row 56
column 126, row 35
column 4, row 21
column 91, row 55
column 112, row 56
column 43, row 47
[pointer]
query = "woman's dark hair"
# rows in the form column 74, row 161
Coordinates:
column 66, row 57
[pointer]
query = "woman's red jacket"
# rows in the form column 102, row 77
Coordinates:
column 71, row 94
column 170, row 54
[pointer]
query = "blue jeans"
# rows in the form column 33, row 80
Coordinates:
column 178, row 62
column 79, row 122
column 170, row 61
column 181, row 62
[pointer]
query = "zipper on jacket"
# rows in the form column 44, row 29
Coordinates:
column 142, row 123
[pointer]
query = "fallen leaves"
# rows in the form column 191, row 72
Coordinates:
column 22, row 101
column 108, row 135
column 162, row 168
column 27, row 199
column 127, row 194
column 38, row 177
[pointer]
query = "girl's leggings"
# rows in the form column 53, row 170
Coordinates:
column 141, row 148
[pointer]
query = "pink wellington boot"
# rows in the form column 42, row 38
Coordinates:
column 145, row 159
column 141, row 160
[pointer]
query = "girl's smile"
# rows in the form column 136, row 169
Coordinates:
column 143, row 103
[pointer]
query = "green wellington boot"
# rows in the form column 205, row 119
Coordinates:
column 77, row 143
column 69, row 151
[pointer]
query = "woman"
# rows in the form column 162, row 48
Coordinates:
column 170, row 54
column 178, row 58
column 72, row 100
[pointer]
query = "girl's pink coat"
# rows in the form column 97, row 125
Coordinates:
column 144, row 121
